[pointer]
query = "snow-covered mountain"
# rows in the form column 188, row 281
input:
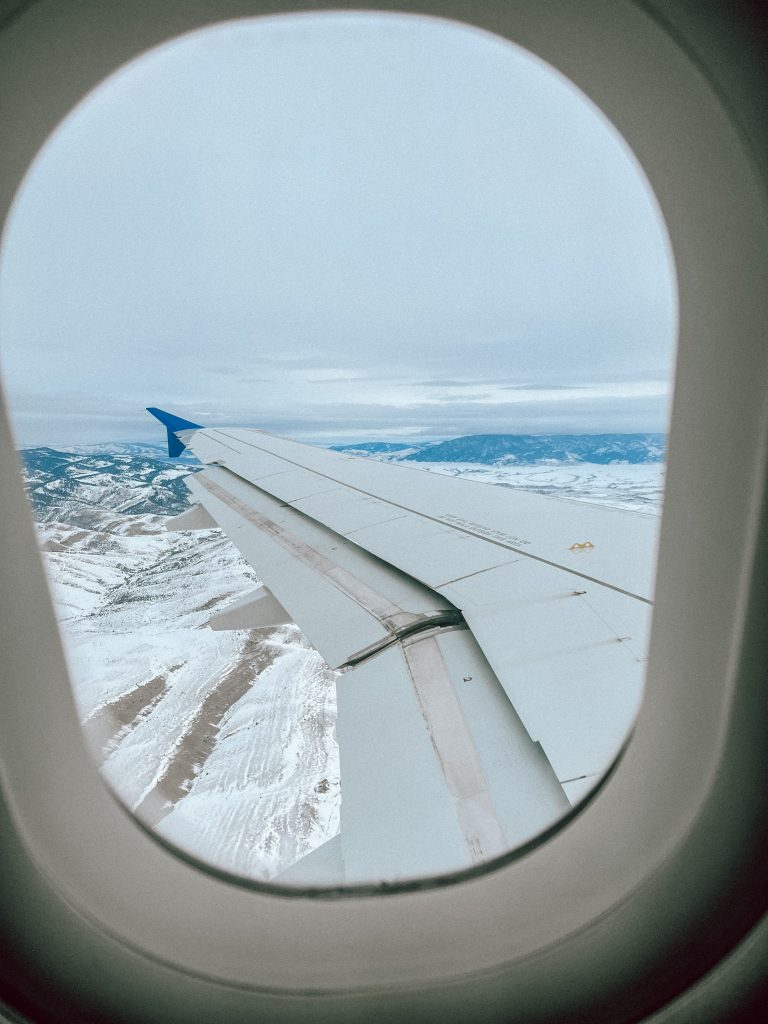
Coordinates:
column 525, row 449
column 376, row 448
column 223, row 741
column 81, row 487
column 535, row 449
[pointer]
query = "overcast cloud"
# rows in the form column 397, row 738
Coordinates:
column 336, row 226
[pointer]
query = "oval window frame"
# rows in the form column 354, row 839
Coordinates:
column 626, row 853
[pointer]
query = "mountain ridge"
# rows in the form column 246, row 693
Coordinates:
column 523, row 449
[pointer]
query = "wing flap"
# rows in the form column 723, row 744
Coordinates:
column 255, row 610
column 572, row 660
column 437, row 771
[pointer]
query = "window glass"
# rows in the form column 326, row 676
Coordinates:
column 405, row 240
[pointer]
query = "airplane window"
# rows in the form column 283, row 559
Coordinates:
column 402, row 632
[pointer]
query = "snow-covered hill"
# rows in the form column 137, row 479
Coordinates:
column 86, row 488
column 224, row 741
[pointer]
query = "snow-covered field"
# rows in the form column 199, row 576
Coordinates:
column 223, row 741
column 639, row 487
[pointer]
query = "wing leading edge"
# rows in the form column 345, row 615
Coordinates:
column 487, row 668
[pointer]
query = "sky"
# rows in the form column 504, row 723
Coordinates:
column 336, row 226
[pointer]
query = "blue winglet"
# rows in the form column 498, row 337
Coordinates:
column 172, row 424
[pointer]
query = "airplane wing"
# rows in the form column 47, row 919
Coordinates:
column 490, row 642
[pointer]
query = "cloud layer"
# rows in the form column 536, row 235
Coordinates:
column 336, row 225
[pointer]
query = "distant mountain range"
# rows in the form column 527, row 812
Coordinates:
column 522, row 449
column 399, row 450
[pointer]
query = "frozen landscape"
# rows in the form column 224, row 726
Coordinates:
column 225, row 741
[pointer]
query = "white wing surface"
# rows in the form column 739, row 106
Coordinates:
column 491, row 642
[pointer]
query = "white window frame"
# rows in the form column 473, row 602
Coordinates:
column 112, row 918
